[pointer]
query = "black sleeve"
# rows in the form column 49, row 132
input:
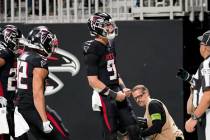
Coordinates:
column 91, row 64
column 39, row 62
column 91, row 58
column 158, row 117
column 4, row 53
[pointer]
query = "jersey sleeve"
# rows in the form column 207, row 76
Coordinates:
column 91, row 59
column 89, row 48
column 39, row 62
column 4, row 53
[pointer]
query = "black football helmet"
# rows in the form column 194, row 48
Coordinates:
column 43, row 40
column 103, row 25
column 10, row 35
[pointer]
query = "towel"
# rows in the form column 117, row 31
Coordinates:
column 96, row 101
column 4, row 128
column 21, row 125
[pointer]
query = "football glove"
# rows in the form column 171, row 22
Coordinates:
column 47, row 127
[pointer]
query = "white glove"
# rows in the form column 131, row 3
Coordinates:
column 3, row 101
column 47, row 127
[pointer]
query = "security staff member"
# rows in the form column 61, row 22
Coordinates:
column 161, row 125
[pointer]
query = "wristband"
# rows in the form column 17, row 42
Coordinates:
column 104, row 91
column 108, row 92
column 194, row 117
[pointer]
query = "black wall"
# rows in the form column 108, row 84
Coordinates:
column 148, row 53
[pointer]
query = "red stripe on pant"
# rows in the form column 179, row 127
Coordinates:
column 57, row 126
column 1, row 94
column 105, row 114
column 1, row 89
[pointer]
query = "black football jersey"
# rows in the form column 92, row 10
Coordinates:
column 25, row 65
column 100, row 60
column 7, row 73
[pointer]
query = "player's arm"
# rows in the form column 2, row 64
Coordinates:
column 4, row 55
column 3, row 58
column 121, row 83
column 95, row 83
column 39, row 75
column 91, row 61
column 2, row 62
column 126, row 90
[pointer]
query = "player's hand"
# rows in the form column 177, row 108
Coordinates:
column 190, row 125
column 184, row 75
column 120, row 96
column 47, row 127
column 127, row 92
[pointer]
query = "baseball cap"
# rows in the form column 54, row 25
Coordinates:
column 205, row 38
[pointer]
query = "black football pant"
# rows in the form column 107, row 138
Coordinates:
column 201, row 125
column 118, row 116
column 35, row 124
column 10, row 120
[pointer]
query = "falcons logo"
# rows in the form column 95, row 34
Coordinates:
column 63, row 61
column 9, row 34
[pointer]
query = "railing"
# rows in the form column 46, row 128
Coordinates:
column 77, row 11
column 150, row 8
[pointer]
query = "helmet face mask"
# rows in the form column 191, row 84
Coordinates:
column 102, row 24
column 44, row 40
column 111, row 30
column 11, row 35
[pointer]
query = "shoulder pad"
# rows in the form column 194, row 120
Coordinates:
column 39, row 61
column 4, row 52
column 35, row 59
column 89, row 47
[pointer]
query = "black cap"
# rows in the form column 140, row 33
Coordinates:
column 205, row 38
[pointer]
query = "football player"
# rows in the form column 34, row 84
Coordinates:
column 103, row 77
column 9, row 38
column 32, row 70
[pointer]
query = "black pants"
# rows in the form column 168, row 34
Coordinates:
column 201, row 125
column 117, row 116
column 10, row 120
column 35, row 123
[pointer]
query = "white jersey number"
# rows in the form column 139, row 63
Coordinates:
column 21, row 65
column 112, row 68
column 11, row 80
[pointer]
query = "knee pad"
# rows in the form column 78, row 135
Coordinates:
column 133, row 132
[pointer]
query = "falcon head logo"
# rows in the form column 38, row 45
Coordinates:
column 63, row 61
